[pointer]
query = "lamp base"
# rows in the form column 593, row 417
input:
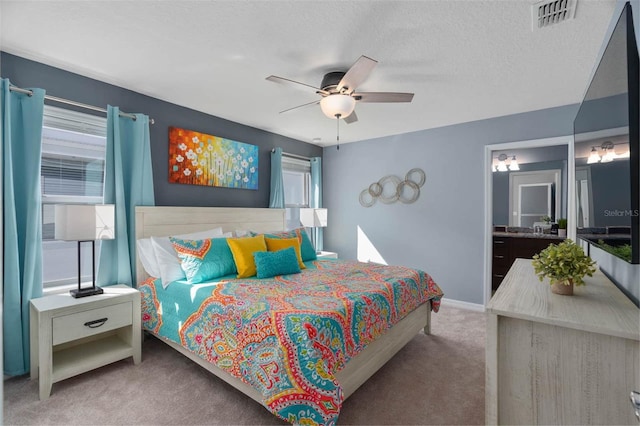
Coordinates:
column 84, row 292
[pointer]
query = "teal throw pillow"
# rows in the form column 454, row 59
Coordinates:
column 272, row 263
column 307, row 252
column 204, row 260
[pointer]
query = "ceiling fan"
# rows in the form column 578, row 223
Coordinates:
column 338, row 91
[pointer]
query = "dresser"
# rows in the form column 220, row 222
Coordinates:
column 553, row 359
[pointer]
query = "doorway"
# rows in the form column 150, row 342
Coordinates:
column 498, row 209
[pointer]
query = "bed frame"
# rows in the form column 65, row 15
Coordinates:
column 165, row 221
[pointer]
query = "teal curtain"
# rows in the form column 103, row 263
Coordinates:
column 128, row 183
column 21, row 129
column 276, row 196
column 316, row 197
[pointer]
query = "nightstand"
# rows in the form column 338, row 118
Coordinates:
column 327, row 255
column 71, row 336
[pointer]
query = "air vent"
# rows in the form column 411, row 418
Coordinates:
column 550, row 12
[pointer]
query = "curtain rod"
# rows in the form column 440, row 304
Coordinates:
column 74, row 103
column 300, row 157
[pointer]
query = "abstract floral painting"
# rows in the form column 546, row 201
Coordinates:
column 200, row 159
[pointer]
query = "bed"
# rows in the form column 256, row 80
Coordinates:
column 312, row 376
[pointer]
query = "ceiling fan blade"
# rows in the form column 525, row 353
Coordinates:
column 357, row 73
column 282, row 80
column 383, row 97
column 351, row 118
column 300, row 106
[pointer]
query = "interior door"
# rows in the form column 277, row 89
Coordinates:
column 584, row 206
column 533, row 195
column 534, row 201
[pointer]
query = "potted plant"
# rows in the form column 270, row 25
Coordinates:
column 565, row 264
column 562, row 227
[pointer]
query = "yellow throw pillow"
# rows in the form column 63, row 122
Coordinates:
column 242, row 250
column 275, row 244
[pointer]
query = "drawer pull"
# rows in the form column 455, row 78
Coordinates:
column 498, row 242
column 96, row 323
column 498, row 256
column 498, row 275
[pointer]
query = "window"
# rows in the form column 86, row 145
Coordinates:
column 296, row 177
column 72, row 171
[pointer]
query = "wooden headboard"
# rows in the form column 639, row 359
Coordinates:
column 165, row 221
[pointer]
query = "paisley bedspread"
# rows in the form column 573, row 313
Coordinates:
column 287, row 336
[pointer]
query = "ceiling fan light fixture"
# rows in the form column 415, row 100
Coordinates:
column 337, row 105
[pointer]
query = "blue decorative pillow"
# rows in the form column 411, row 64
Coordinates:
column 272, row 263
column 203, row 260
column 306, row 248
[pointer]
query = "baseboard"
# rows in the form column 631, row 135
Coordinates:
column 462, row 305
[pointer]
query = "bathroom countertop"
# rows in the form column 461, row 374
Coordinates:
column 597, row 237
column 591, row 237
column 528, row 235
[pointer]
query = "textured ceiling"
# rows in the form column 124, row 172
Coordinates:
column 464, row 60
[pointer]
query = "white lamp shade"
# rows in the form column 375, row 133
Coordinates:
column 608, row 157
column 337, row 104
column 514, row 164
column 313, row 218
column 593, row 157
column 81, row 222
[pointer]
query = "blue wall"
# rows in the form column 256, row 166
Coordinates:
column 443, row 231
column 25, row 73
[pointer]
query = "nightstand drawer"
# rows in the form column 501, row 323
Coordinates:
column 87, row 323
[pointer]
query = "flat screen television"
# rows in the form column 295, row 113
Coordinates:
column 607, row 149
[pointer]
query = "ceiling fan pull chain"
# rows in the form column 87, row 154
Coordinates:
column 338, row 131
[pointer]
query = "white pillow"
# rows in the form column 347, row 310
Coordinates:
column 148, row 257
column 167, row 260
column 241, row 233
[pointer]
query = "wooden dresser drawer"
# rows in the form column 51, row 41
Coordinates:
column 87, row 323
column 500, row 245
column 501, row 259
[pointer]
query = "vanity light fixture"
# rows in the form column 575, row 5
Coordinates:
column 609, row 153
column 593, row 157
column 502, row 165
column 514, row 164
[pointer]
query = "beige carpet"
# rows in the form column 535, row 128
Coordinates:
column 437, row 379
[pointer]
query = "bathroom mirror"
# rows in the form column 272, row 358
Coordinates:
column 537, row 187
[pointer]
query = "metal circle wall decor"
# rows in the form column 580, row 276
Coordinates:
column 391, row 188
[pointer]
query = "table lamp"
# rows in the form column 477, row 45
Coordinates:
column 84, row 223
column 313, row 218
